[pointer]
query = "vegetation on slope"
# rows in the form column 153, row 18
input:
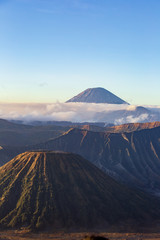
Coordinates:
column 63, row 190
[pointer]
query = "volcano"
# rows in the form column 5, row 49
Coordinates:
column 97, row 95
column 64, row 191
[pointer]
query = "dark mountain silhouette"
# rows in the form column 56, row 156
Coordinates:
column 59, row 123
column 97, row 95
column 13, row 134
column 6, row 155
column 64, row 191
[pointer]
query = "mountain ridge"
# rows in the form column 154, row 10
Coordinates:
column 131, row 157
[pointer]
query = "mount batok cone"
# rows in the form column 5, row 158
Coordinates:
column 64, row 191
column 97, row 95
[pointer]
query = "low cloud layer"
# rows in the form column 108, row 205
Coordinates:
column 79, row 112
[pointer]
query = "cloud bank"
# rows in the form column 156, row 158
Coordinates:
column 79, row 112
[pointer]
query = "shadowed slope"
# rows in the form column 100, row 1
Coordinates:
column 64, row 190
column 13, row 134
column 133, row 158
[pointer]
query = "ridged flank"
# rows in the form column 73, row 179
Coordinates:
column 133, row 158
column 63, row 191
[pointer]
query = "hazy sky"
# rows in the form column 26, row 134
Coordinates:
column 53, row 49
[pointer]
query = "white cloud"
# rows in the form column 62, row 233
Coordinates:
column 77, row 112
column 132, row 119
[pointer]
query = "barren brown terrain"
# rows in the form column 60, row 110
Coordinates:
column 23, row 235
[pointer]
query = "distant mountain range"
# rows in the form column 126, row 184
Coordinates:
column 15, row 134
column 64, row 191
column 97, row 95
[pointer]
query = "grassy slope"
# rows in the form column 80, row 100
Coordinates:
column 66, row 191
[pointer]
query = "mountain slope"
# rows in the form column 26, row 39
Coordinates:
column 133, row 158
column 97, row 95
column 63, row 190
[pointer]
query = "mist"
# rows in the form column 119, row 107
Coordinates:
column 79, row 112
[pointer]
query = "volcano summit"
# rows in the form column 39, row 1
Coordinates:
column 97, row 95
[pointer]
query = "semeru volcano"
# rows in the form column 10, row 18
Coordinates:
column 97, row 95
column 64, row 191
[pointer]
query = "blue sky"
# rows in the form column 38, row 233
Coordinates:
column 53, row 49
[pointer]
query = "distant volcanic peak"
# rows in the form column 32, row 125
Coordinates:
column 97, row 95
column 142, row 109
